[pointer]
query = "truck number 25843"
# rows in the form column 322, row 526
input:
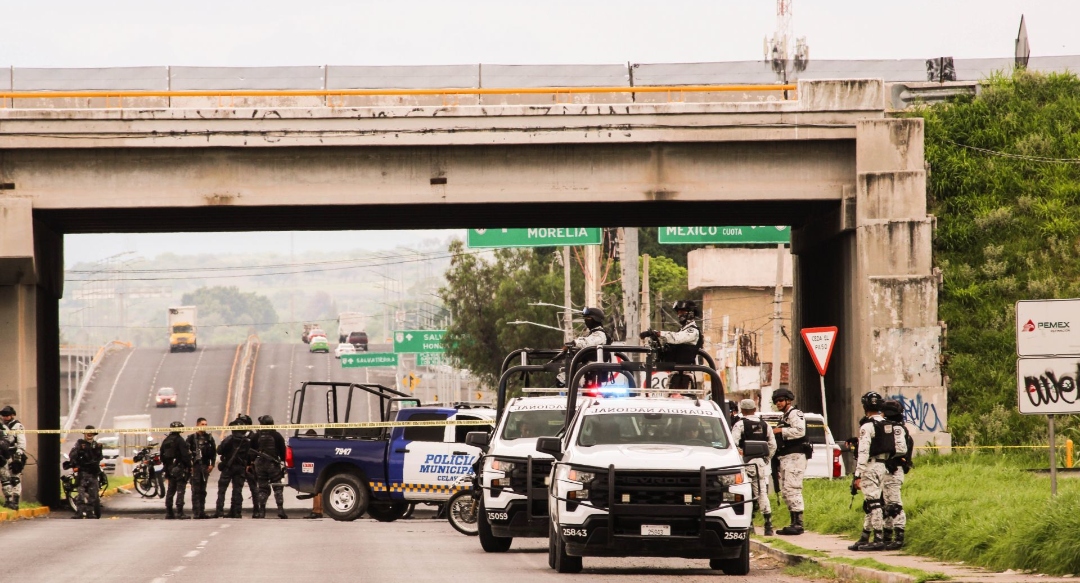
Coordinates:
column 342, row 450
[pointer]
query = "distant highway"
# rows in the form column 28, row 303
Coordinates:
column 127, row 382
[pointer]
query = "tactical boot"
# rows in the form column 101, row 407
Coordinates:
column 219, row 513
column 877, row 545
column 898, row 542
column 15, row 502
column 796, row 526
column 234, row 513
column 281, row 512
column 864, row 539
column 180, row 513
column 169, row 514
column 888, row 536
column 768, row 524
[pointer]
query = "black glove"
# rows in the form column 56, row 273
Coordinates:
column 569, row 344
column 66, row 465
column 649, row 334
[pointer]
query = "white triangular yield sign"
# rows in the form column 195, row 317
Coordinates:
column 820, row 342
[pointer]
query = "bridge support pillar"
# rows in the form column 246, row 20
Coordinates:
column 31, row 284
column 868, row 270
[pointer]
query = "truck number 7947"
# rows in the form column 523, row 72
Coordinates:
column 342, row 450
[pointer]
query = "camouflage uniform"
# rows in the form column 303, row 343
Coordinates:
column 870, row 470
column 793, row 465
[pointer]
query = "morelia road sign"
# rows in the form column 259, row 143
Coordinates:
column 418, row 341
column 820, row 342
column 723, row 235
column 538, row 237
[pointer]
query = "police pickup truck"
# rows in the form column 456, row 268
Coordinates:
column 654, row 475
column 378, row 470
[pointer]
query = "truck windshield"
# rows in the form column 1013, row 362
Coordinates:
column 185, row 329
column 535, row 423
column 645, row 428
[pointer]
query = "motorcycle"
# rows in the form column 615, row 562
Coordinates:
column 463, row 508
column 148, row 474
column 70, row 483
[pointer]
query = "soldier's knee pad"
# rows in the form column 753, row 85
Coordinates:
column 869, row 506
column 892, row 510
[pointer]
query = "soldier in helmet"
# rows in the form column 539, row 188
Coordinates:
column 895, row 469
column 596, row 336
column 270, row 446
column 680, row 347
column 791, row 450
column 86, row 457
column 12, row 457
column 750, row 426
column 176, row 457
column 876, row 446
column 203, row 453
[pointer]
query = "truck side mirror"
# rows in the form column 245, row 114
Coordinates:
column 478, row 439
column 755, row 449
column 551, row 446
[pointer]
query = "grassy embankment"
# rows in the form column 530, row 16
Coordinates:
column 984, row 509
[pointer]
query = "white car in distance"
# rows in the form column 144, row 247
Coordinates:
column 344, row 348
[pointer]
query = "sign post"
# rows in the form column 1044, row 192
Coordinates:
column 1046, row 372
column 820, row 342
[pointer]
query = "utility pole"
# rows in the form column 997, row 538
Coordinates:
column 779, row 54
column 592, row 275
column 778, row 299
column 568, row 317
column 646, row 308
column 628, row 254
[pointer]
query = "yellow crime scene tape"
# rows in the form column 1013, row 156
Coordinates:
column 290, row 427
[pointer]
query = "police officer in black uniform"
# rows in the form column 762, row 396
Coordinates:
column 270, row 454
column 225, row 453
column 86, row 457
column 203, row 453
column 176, row 456
column 236, row 462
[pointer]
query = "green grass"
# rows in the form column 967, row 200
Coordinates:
column 787, row 547
column 116, row 481
column 920, row 575
column 811, row 570
column 982, row 509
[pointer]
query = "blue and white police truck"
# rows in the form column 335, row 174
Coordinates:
column 653, row 474
column 377, row 470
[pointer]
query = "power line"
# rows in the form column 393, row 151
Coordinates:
column 430, row 256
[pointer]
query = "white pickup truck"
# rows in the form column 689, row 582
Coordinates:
column 514, row 475
column 649, row 476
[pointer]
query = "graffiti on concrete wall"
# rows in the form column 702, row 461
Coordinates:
column 923, row 415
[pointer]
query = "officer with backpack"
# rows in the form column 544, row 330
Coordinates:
column 680, row 347
column 176, row 456
column 895, row 469
column 751, row 427
column 269, row 451
column 877, row 444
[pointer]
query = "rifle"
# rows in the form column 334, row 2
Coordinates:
column 854, row 491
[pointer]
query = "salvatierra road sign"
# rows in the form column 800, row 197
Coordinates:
column 820, row 342
column 419, row 341
column 723, row 235
column 1048, row 327
column 368, row 359
column 1047, row 385
column 539, row 237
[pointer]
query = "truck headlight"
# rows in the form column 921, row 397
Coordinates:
column 499, row 472
column 565, row 472
column 732, row 479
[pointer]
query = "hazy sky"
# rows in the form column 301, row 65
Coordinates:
column 109, row 33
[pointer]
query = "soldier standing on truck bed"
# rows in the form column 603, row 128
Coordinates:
column 792, row 448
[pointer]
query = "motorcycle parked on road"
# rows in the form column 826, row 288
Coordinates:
column 148, row 474
column 463, row 508
column 70, row 483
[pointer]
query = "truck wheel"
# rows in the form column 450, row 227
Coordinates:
column 557, row 557
column 740, row 565
column 345, row 497
column 384, row 512
column 490, row 542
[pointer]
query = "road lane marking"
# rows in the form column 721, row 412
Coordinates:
column 191, row 554
column 187, row 401
column 153, row 382
column 178, row 569
column 214, row 533
column 105, row 412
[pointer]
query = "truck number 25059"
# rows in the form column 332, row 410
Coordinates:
column 342, row 450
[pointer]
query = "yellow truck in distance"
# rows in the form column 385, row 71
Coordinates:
column 181, row 320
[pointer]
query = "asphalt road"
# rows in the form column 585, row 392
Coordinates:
column 133, row 543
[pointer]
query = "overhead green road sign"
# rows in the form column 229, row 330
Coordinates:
column 368, row 359
column 432, row 359
column 539, row 237
column 723, row 235
column 418, row 341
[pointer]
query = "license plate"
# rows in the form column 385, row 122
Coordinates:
column 655, row 530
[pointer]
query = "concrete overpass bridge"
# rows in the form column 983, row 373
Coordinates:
column 829, row 162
